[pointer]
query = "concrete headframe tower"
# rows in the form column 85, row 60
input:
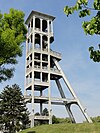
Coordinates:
column 42, row 66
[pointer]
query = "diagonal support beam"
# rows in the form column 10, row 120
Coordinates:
column 72, row 91
column 67, row 106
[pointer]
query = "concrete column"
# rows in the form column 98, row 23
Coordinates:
column 33, row 22
column 41, row 55
column 48, row 27
column 49, row 105
column 25, row 92
column 33, row 32
column 41, row 42
column 27, row 46
column 40, row 24
column 41, row 103
column 49, row 88
column 32, row 113
column 32, row 121
column 27, row 43
column 27, row 79
column 30, row 27
column 51, row 26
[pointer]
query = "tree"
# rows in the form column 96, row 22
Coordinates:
column 12, row 35
column 55, row 120
column 13, row 111
column 96, row 119
column 90, row 27
column 45, row 112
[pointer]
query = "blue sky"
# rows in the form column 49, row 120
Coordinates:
column 70, row 40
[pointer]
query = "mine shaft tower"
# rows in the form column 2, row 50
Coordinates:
column 42, row 66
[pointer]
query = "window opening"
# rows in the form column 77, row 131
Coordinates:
column 44, row 26
column 37, row 56
column 44, row 57
column 37, row 23
column 44, row 43
column 44, row 77
column 37, row 76
column 37, row 41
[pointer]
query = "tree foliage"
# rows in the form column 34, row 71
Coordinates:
column 13, row 111
column 45, row 112
column 96, row 119
column 90, row 27
column 55, row 120
column 12, row 35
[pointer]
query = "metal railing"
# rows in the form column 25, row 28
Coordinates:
column 44, row 67
column 37, row 49
column 55, row 53
column 55, row 70
column 41, row 117
column 37, row 66
column 44, row 49
column 40, row 81
column 28, row 69
column 28, row 81
column 28, row 62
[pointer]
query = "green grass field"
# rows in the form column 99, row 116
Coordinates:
column 65, row 128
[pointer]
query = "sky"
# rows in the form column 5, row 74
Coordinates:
column 73, row 44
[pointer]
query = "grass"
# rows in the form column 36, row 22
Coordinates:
column 65, row 128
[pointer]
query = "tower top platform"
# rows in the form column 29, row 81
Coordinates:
column 39, row 14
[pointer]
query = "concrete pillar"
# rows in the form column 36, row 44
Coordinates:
column 32, row 113
column 41, row 42
column 40, row 24
column 48, row 27
column 41, row 103
column 51, row 26
column 33, row 22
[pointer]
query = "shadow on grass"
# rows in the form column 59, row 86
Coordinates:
column 31, row 132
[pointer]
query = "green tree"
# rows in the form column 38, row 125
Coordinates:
column 13, row 111
column 45, row 112
column 12, row 35
column 90, row 27
column 55, row 120
column 96, row 119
